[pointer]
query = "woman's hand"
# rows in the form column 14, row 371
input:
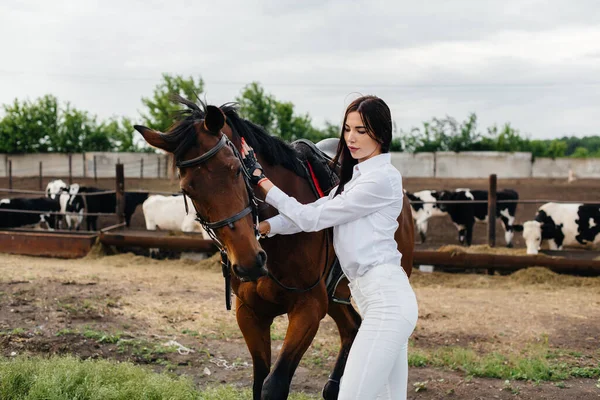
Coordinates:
column 264, row 228
column 255, row 170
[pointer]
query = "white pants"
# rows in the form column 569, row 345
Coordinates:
column 377, row 366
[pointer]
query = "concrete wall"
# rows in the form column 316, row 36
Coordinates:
column 53, row 164
column 82, row 164
column 155, row 165
column 420, row 165
column 474, row 164
column 559, row 168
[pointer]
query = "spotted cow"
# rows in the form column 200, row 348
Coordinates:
column 464, row 215
column 424, row 205
column 572, row 224
column 44, row 216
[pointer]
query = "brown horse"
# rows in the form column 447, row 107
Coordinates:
column 205, row 142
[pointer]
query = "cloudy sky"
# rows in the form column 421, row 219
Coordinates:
column 533, row 63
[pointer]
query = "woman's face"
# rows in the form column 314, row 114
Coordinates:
column 361, row 145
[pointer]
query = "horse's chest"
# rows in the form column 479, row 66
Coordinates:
column 261, row 297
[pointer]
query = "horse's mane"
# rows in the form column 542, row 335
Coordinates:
column 273, row 149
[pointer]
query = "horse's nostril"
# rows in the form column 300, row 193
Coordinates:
column 261, row 258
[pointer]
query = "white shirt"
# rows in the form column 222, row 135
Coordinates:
column 364, row 216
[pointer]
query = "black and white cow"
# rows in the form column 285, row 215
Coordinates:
column 423, row 206
column 55, row 188
column 99, row 202
column 43, row 204
column 563, row 225
column 464, row 215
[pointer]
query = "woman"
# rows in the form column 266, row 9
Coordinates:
column 363, row 213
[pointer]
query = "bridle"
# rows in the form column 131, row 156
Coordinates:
column 210, row 227
column 252, row 208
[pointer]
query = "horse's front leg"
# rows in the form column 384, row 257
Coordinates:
column 347, row 321
column 303, row 325
column 257, row 334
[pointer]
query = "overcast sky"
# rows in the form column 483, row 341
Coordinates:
column 533, row 63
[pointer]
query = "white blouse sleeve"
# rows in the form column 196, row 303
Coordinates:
column 367, row 196
column 282, row 225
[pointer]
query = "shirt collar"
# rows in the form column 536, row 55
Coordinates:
column 373, row 163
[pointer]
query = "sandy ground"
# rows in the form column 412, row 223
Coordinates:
column 77, row 306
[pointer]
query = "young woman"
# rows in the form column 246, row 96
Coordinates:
column 363, row 212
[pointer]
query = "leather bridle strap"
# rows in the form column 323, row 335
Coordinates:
column 199, row 160
column 229, row 221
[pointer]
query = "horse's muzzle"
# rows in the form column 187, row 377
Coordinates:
column 257, row 271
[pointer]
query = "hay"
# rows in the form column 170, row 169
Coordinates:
column 536, row 276
column 212, row 263
column 99, row 250
column 483, row 249
column 540, row 277
column 543, row 276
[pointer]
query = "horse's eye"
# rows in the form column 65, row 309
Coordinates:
column 239, row 171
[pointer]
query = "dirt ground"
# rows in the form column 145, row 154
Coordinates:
column 441, row 230
column 127, row 307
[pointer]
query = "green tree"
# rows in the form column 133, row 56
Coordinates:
column 257, row 106
column 278, row 117
column 557, row 148
column 121, row 136
column 580, row 152
column 159, row 107
column 27, row 127
column 77, row 130
column 506, row 139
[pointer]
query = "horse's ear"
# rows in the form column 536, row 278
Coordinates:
column 155, row 138
column 215, row 119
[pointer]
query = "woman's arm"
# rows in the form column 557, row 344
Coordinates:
column 366, row 197
column 282, row 225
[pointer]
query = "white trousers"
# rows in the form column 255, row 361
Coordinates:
column 377, row 366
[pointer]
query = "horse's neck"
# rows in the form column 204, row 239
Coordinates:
column 286, row 180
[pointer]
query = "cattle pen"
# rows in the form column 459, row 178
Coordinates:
column 74, row 244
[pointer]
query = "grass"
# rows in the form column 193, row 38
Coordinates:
column 535, row 363
column 59, row 378
column 66, row 378
column 15, row 332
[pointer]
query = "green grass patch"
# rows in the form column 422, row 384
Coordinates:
column 536, row 363
column 59, row 378
column 15, row 332
column 67, row 378
column 145, row 351
column 190, row 332
column 102, row 337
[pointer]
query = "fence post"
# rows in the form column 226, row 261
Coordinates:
column 492, row 211
column 492, row 197
column 10, row 174
column 70, row 168
column 170, row 171
column 141, row 168
column 84, row 165
column 41, row 185
column 120, row 193
column 95, row 171
column 158, row 169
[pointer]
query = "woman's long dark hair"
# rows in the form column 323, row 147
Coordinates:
column 377, row 118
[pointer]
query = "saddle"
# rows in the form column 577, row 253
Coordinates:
column 323, row 176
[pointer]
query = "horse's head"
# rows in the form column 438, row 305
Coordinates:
column 211, row 173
